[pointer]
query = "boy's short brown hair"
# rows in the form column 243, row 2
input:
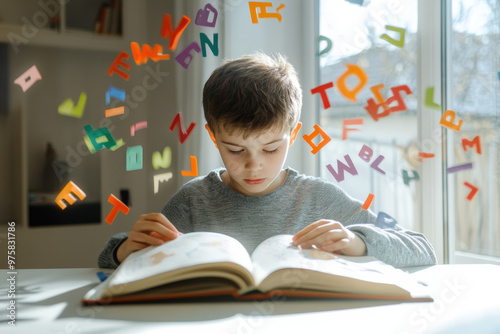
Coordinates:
column 251, row 94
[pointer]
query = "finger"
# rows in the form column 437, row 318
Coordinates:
column 138, row 240
column 323, row 236
column 148, row 226
column 319, row 228
column 160, row 218
column 300, row 235
column 334, row 246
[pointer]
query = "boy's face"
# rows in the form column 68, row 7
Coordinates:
column 254, row 164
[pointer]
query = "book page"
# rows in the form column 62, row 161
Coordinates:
column 278, row 253
column 190, row 249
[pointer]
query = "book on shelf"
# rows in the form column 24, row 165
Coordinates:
column 109, row 18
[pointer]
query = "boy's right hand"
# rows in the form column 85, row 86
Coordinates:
column 151, row 229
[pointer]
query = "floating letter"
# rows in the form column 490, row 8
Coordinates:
column 67, row 195
column 162, row 161
column 329, row 45
column 346, row 122
column 318, row 131
column 342, row 167
column 116, row 93
column 117, row 206
column 448, row 119
column 99, row 138
column 141, row 56
column 471, row 143
column 407, row 178
column 458, row 168
column 368, row 202
column 473, row 190
column 194, row 167
column 429, row 99
column 134, row 158
column 322, row 91
column 28, row 78
column 253, row 5
column 207, row 16
column 169, row 33
column 119, row 61
column 160, row 178
column 213, row 46
column 357, row 71
column 68, row 108
column 399, row 43
column 183, row 134
column 138, row 126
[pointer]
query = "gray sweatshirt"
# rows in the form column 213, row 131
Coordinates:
column 207, row 204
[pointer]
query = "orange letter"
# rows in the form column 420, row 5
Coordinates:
column 117, row 206
column 67, row 195
column 194, row 167
column 450, row 114
column 341, row 81
column 141, row 56
column 118, row 61
column 368, row 202
column 317, row 131
column 173, row 35
column 345, row 122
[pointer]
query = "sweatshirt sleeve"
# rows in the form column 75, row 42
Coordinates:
column 392, row 244
column 107, row 257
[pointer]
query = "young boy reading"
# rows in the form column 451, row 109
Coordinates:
column 252, row 107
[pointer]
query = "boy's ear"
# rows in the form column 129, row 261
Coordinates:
column 295, row 131
column 211, row 135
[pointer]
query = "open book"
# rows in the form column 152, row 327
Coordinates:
column 202, row 264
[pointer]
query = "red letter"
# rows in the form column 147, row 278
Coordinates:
column 322, row 91
column 141, row 56
column 470, row 143
column 183, row 134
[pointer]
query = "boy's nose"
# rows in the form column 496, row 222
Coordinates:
column 252, row 164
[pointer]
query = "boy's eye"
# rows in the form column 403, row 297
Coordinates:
column 271, row 151
column 235, row 152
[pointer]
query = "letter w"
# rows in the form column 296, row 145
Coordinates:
column 342, row 167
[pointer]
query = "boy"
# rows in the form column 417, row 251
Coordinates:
column 252, row 108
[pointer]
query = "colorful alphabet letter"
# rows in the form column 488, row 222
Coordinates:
column 117, row 206
column 357, row 71
column 346, row 122
column 138, row 126
column 67, row 195
column 194, row 167
column 213, row 46
column 342, row 167
column 114, row 111
column 141, row 56
column 160, row 178
column 134, row 158
column 366, row 153
column 169, row 33
column 429, row 99
column 318, row 131
column 115, row 93
column 68, row 108
column 119, row 61
column 423, row 155
column 329, row 45
column 448, row 120
column 399, row 43
column 372, row 107
column 263, row 14
column 458, row 168
column 471, row 143
column 473, row 190
column 322, row 91
column 185, row 57
column 162, row 161
column 28, row 78
column 183, row 134
column 99, row 138
column 207, row 16
column 407, row 178
column 368, row 202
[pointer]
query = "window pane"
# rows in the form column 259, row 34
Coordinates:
column 385, row 144
column 475, row 98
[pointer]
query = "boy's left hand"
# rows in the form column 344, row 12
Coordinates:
column 330, row 236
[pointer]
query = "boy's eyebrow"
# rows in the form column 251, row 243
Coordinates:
column 233, row 144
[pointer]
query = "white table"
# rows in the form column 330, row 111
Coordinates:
column 466, row 300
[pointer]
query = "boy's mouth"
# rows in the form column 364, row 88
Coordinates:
column 254, row 181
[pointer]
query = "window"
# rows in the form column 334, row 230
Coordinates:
column 406, row 158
